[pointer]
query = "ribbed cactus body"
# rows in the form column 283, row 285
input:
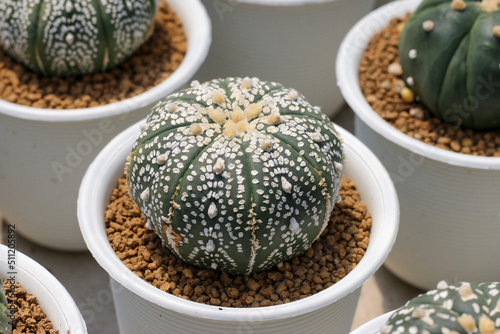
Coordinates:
column 237, row 174
column 449, row 51
column 5, row 326
column 74, row 37
column 464, row 308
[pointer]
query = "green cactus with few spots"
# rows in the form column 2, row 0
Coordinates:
column 466, row 308
column 5, row 326
column 449, row 54
column 74, row 37
column 236, row 175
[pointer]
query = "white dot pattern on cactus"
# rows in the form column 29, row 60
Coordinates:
column 160, row 159
column 69, row 37
column 412, row 54
column 452, row 309
column 244, row 194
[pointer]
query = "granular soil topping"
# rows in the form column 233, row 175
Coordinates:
column 332, row 256
column 381, row 81
column 29, row 317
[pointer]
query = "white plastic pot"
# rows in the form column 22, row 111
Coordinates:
column 373, row 326
column 54, row 299
column 44, row 152
column 142, row 308
column 450, row 202
column 293, row 42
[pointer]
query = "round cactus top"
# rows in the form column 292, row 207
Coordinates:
column 70, row 37
column 466, row 308
column 236, row 174
column 449, row 54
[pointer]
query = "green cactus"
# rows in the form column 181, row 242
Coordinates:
column 466, row 308
column 236, row 175
column 449, row 54
column 5, row 326
column 74, row 37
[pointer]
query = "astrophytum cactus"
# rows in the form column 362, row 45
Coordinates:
column 449, row 52
column 74, row 37
column 5, row 326
column 237, row 174
column 466, row 308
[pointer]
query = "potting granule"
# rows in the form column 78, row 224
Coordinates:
column 332, row 256
column 381, row 81
column 29, row 317
column 149, row 66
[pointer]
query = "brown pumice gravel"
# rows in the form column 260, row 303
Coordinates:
column 381, row 82
column 332, row 256
column 29, row 317
column 149, row 66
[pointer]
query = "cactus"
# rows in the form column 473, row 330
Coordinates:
column 74, row 37
column 449, row 54
column 236, row 174
column 5, row 326
column 465, row 308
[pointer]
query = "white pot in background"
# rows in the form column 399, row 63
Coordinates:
column 450, row 202
column 44, row 152
column 54, row 299
column 293, row 42
column 142, row 308
column 373, row 326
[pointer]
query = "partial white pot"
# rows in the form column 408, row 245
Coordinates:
column 142, row 308
column 293, row 42
column 54, row 299
column 450, row 202
column 44, row 152
column 373, row 326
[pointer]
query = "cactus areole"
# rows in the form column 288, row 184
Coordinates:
column 74, row 37
column 449, row 51
column 466, row 308
column 236, row 175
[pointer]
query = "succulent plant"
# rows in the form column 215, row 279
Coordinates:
column 449, row 54
column 466, row 308
column 5, row 326
column 236, row 174
column 74, row 37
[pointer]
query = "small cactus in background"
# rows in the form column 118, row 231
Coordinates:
column 236, row 175
column 465, row 308
column 5, row 326
column 449, row 51
column 74, row 37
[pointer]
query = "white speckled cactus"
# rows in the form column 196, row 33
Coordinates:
column 5, row 326
column 74, row 37
column 237, row 174
column 466, row 308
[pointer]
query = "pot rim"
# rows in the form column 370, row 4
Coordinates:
column 374, row 325
column 51, row 290
column 283, row 3
column 197, row 27
column 101, row 177
column 348, row 58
